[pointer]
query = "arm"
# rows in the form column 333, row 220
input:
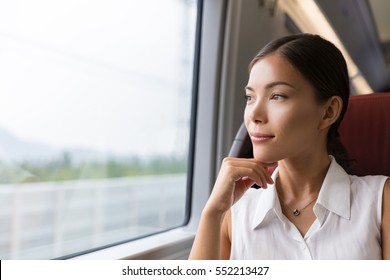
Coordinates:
column 226, row 236
column 207, row 243
column 236, row 176
column 386, row 221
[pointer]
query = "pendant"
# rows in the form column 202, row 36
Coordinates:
column 296, row 212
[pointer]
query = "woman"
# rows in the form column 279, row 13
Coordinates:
column 310, row 208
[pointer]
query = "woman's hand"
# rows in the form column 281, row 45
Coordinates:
column 235, row 177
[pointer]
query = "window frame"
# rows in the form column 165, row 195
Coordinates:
column 176, row 243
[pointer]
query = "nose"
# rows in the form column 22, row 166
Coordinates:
column 256, row 112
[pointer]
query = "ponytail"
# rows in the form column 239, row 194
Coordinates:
column 339, row 152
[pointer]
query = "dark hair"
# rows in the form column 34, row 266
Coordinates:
column 323, row 65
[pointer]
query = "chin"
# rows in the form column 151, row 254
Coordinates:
column 266, row 158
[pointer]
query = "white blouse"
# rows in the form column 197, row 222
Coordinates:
column 347, row 226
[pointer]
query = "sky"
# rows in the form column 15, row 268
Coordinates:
column 109, row 75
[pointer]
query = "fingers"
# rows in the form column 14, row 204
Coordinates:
column 235, row 177
column 242, row 168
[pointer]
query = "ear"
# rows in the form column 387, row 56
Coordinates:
column 331, row 111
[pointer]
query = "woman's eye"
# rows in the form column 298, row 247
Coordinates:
column 248, row 97
column 278, row 96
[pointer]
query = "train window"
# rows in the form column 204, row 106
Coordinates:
column 94, row 122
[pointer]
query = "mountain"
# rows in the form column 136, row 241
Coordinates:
column 15, row 150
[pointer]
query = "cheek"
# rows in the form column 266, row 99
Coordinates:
column 301, row 122
column 246, row 117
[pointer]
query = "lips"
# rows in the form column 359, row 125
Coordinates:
column 257, row 137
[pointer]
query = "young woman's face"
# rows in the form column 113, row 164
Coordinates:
column 281, row 115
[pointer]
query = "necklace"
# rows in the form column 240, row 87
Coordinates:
column 296, row 211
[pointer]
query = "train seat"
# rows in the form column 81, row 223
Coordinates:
column 365, row 132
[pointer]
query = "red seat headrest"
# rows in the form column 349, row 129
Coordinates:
column 365, row 132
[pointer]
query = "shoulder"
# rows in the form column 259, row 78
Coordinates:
column 367, row 193
column 373, row 183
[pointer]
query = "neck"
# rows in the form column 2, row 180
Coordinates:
column 301, row 178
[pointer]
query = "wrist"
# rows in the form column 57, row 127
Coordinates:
column 214, row 214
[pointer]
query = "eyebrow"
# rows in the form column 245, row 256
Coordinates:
column 271, row 85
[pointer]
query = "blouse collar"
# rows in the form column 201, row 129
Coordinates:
column 334, row 197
